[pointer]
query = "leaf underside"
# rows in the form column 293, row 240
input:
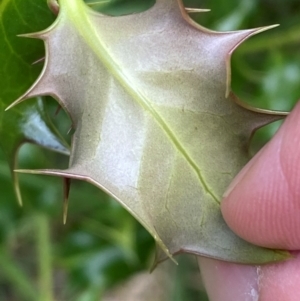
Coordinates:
column 153, row 128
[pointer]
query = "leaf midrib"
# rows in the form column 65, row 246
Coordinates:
column 77, row 12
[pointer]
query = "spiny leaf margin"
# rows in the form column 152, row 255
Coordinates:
column 213, row 239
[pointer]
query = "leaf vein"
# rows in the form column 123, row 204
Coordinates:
column 88, row 32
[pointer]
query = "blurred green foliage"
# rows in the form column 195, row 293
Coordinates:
column 102, row 245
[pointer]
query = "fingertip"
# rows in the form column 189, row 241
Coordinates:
column 226, row 281
column 263, row 206
column 280, row 281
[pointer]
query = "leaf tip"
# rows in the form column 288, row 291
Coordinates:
column 91, row 4
column 16, row 102
column 156, row 262
column 65, row 211
column 162, row 253
column 39, row 88
column 33, row 35
column 190, row 10
column 38, row 61
column 248, row 33
column 265, row 28
column 67, row 184
column 17, row 190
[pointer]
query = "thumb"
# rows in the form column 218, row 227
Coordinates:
column 263, row 203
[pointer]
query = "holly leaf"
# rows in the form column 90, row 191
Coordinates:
column 156, row 125
column 28, row 122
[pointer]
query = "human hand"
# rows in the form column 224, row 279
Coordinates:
column 262, row 205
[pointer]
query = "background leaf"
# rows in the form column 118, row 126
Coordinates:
column 29, row 122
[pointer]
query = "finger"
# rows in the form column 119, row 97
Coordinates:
column 280, row 281
column 274, row 282
column 263, row 203
column 226, row 281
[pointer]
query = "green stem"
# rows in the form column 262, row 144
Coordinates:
column 288, row 37
column 19, row 280
column 44, row 257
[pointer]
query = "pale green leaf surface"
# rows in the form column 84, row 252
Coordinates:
column 153, row 128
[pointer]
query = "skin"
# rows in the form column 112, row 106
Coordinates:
column 262, row 205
